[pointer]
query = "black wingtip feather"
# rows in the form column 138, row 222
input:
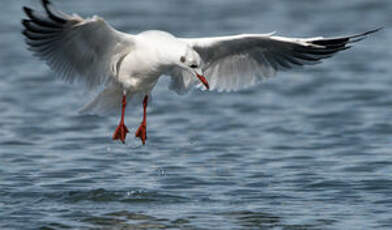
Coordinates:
column 330, row 43
column 52, row 16
column 31, row 40
column 357, row 39
column 50, row 20
column 38, row 36
column 28, row 11
column 25, row 22
column 367, row 32
column 323, row 51
column 39, row 21
column 304, row 56
column 340, row 43
column 27, row 35
column 33, row 27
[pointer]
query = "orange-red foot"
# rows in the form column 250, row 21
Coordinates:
column 120, row 133
column 141, row 133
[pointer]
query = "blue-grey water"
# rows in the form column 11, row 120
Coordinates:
column 309, row 149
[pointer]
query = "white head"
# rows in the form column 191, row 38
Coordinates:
column 173, row 51
column 191, row 62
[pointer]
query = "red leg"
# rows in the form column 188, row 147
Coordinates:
column 121, row 131
column 141, row 131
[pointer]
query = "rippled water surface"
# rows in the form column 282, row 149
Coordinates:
column 309, row 149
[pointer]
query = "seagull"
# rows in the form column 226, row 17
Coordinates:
column 128, row 66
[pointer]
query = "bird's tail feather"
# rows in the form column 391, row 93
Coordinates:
column 106, row 102
column 109, row 101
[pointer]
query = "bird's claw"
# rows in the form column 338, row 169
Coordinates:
column 142, row 133
column 120, row 133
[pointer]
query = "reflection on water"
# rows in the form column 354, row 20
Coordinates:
column 309, row 149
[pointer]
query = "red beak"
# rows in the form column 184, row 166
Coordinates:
column 203, row 80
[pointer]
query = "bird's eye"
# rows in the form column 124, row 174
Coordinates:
column 182, row 59
column 193, row 66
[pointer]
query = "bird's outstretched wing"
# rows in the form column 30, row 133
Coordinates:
column 78, row 49
column 236, row 62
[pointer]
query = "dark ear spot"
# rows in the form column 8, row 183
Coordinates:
column 182, row 59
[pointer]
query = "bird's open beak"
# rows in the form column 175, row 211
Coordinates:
column 202, row 79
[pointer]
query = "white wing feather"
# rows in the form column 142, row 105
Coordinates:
column 78, row 49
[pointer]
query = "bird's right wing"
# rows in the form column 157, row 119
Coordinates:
column 76, row 48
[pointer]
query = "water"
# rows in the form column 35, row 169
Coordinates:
column 310, row 149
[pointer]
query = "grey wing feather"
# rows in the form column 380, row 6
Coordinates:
column 241, row 61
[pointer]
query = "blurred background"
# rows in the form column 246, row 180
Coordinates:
column 309, row 149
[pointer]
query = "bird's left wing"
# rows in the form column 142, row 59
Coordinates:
column 235, row 62
column 78, row 49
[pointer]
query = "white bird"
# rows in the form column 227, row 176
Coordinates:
column 129, row 65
